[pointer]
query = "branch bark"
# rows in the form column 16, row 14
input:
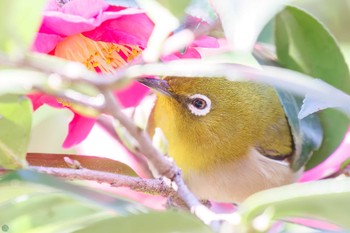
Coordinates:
column 150, row 186
column 163, row 165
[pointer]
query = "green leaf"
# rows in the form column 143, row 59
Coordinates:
column 116, row 204
column 304, row 45
column 307, row 132
column 177, row 8
column 15, row 125
column 19, row 21
column 48, row 212
column 32, row 208
column 327, row 200
column 165, row 222
column 40, row 208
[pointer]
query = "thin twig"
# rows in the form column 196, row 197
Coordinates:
column 342, row 171
column 73, row 72
column 71, row 96
column 150, row 186
column 163, row 165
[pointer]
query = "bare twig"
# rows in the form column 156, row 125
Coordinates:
column 71, row 96
column 72, row 72
column 163, row 165
column 150, row 186
column 342, row 171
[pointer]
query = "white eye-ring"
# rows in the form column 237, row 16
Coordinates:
column 199, row 105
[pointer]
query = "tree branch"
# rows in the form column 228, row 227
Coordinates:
column 163, row 165
column 150, row 186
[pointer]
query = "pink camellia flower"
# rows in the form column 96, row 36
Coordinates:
column 332, row 164
column 103, row 38
column 100, row 36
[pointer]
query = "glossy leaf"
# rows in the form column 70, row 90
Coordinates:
column 176, row 7
column 48, row 212
column 37, row 208
column 304, row 45
column 89, row 162
column 165, row 222
column 15, row 125
column 26, row 207
column 107, row 201
column 20, row 20
column 307, row 132
column 327, row 200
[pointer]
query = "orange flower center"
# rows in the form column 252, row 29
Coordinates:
column 95, row 55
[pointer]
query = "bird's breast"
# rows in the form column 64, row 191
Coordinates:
column 235, row 181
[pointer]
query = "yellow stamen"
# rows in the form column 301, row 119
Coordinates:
column 95, row 55
column 65, row 103
column 102, row 55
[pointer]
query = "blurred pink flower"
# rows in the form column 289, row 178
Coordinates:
column 332, row 164
column 103, row 38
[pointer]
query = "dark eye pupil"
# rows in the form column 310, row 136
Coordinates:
column 199, row 103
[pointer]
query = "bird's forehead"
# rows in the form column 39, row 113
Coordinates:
column 190, row 86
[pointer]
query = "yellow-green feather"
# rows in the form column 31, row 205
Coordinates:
column 243, row 115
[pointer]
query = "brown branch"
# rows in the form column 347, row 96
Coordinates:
column 342, row 171
column 163, row 165
column 150, row 186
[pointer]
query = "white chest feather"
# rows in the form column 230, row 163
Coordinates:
column 234, row 182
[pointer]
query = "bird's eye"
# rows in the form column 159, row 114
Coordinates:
column 199, row 105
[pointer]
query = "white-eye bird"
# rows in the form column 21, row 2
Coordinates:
column 231, row 139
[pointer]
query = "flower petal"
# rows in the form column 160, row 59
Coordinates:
column 132, row 95
column 79, row 129
column 206, row 42
column 66, row 24
column 331, row 164
column 45, row 43
column 40, row 99
column 78, row 7
column 124, row 30
column 189, row 53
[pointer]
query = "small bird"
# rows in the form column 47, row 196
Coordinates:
column 231, row 139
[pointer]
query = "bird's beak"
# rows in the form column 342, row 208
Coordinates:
column 159, row 85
